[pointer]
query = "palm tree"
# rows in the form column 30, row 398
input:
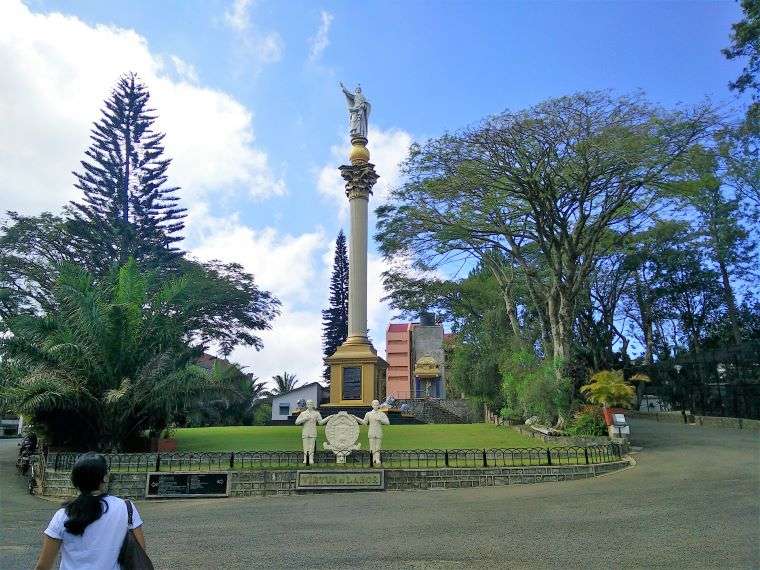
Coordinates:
column 111, row 361
column 284, row 383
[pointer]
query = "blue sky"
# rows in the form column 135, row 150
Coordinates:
column 255, row 84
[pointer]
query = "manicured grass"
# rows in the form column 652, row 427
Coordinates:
column 284, row 438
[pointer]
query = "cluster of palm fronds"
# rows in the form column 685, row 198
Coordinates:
column 112, row 361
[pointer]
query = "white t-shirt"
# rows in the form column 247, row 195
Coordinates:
column 98, row 547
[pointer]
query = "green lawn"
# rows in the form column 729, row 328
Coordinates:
column 428, row 436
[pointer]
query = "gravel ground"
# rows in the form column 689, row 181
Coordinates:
column 692, row 501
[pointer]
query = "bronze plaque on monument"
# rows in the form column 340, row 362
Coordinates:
column 187, row 485
column 352, row 383
column 340, row 480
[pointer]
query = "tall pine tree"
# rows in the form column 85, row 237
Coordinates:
column 335, row 317
column 127, row 210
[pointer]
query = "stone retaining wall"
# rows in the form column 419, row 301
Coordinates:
column 710, row 421
column 283, row 482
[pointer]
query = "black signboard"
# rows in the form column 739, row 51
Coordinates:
column 352, row 383
column 187, row 485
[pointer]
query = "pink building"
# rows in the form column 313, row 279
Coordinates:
column 416, row 360
column 398, row 350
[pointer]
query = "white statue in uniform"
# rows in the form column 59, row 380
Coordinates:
column 375, row 419
column 309, row 418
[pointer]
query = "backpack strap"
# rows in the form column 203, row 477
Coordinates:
column 129, row 513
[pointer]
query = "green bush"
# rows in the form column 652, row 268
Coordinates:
column 530, row 386
column 588, row 421
column 262, row 414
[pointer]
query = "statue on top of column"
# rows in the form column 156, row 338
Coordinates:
column 358, row 112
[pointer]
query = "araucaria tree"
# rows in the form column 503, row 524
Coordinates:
column 128, row 210
column 335, row 317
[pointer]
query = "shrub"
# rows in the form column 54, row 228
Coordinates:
column 588, row 421
column 531, row 387
column 609, row 388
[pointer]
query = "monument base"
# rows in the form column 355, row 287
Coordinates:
column 357, row 374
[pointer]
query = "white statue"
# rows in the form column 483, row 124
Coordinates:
column 309, row 418
column 342, row 433
column 358, row 111
column 375, row 419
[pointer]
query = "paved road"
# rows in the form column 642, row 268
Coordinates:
column 692, row 501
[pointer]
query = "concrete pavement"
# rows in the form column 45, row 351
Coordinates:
column 692, row 501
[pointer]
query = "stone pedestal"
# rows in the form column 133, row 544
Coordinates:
column 357, row 374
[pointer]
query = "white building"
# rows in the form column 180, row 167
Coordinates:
column 285, row 404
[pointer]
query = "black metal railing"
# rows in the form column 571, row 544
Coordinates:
column 392, row 459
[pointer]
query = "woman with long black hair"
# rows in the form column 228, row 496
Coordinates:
column 89, row 530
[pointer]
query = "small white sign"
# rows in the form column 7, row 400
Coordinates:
column 619, row 419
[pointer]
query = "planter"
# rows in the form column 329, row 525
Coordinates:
column 608, row 412
column 162, row 445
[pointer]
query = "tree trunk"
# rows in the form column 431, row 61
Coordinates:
column 647, row 325
column 512, row 313
column 728, row 292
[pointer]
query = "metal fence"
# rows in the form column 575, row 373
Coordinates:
column 723, row 382
column 398, row 459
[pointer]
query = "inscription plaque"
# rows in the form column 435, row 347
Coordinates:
column 187, row 485
column 352, row 383
column 340, row 480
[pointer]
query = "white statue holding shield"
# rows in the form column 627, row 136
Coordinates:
column 309, row 418
column 375, row 419
column 358, row 112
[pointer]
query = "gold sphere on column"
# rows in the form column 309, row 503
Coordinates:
column 359, row 153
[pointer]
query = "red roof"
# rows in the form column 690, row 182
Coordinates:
column 399, row 327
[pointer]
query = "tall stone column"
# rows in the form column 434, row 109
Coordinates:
column 360, row 177
column 357, row 374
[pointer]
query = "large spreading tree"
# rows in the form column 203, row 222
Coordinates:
column 537, row 195
column 335, row 317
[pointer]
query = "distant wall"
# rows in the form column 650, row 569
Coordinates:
column 709, row 421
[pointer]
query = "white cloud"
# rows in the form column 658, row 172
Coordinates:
column 254, row 46
column 185, row 70
column 268, row 47
column 237, row 16
column 292, row 267
column 294, row 344
column 283, row 264
column 322, row 38
column 57, row 70
column 388, row 148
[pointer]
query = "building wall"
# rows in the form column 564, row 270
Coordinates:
column 291, row 398
column 398, row 354
column 428, row 341
column 405, row 344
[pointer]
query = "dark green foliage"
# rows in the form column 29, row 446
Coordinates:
column 335, row 317
column 262, row 414
column 745, row 43
column 110, row 362
column 588, row 422
column 234, row 409
column 284, row 383
column 127, row 210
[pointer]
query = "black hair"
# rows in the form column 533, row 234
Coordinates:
column 87, row 475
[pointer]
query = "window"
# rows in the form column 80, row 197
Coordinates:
column 285, row 409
